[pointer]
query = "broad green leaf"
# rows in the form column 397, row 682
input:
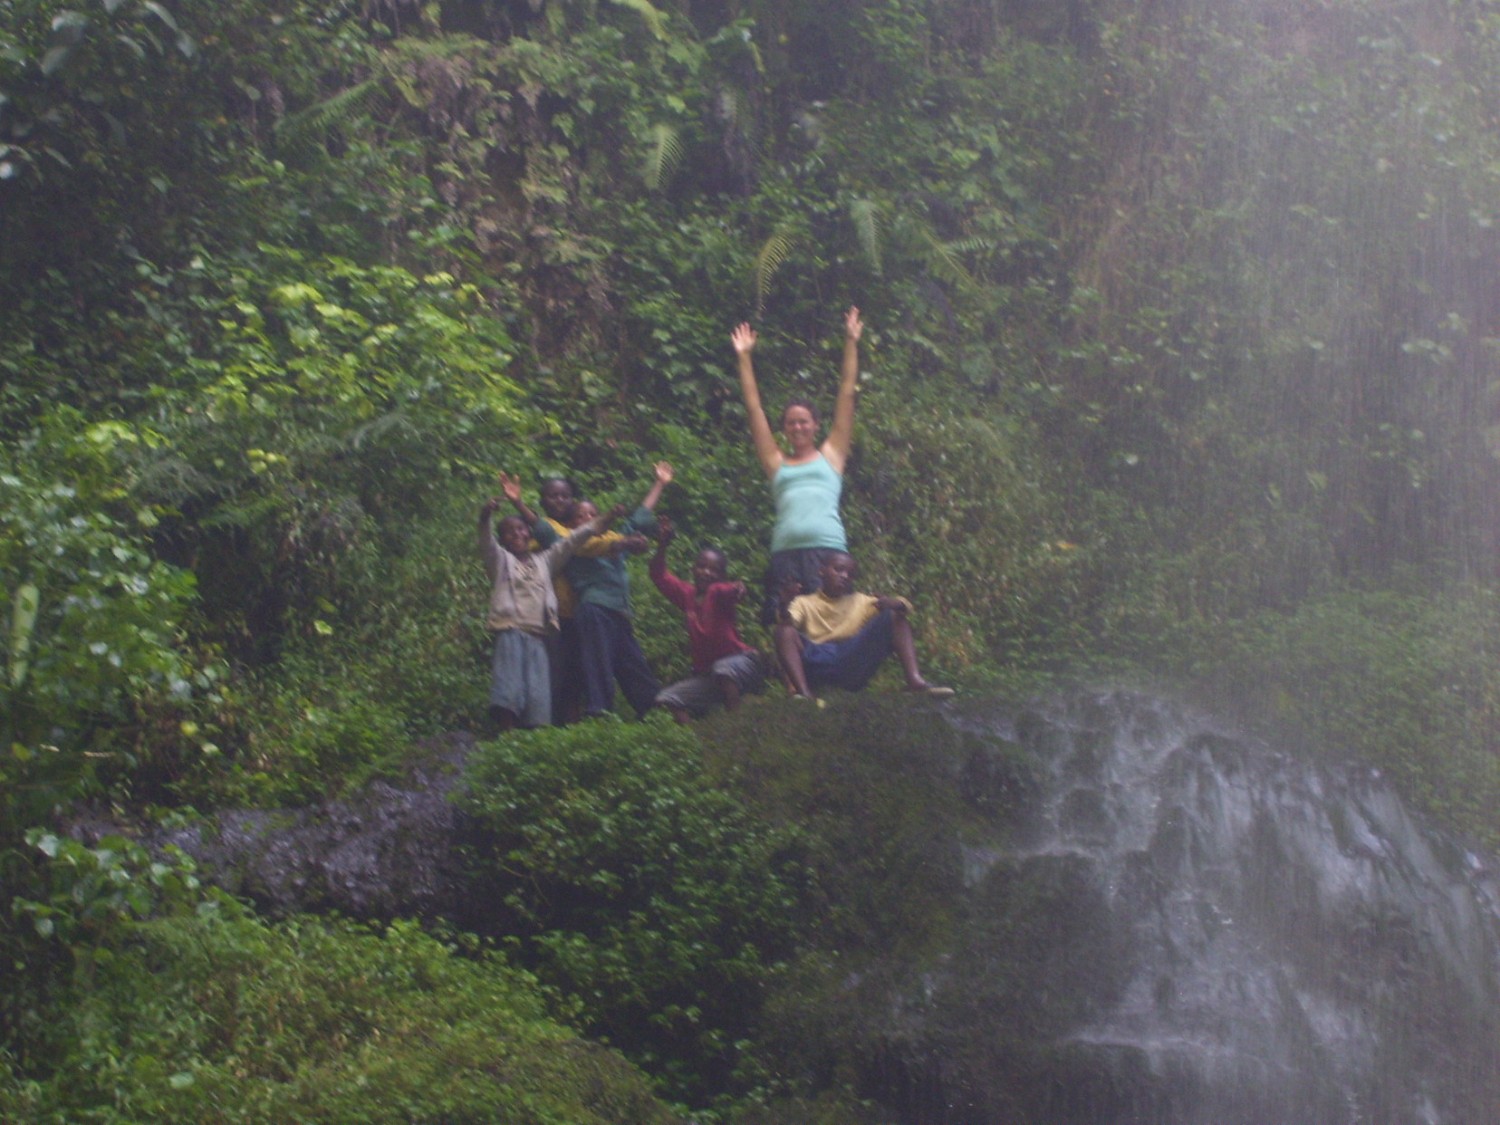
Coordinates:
column 22, row 624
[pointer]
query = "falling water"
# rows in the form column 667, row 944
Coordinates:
column 1294, row 947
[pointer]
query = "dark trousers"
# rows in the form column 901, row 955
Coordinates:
column 567, row 674
column 608, row 652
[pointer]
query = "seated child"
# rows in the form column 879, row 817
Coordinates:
column 724, row 667
column 607, row 649
column 522, row 612
column 838, row 638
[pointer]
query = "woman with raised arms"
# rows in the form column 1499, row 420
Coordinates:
column 807, row 478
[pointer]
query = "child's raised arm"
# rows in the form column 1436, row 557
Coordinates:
column 511, row 486
column 665, row 533
column 664, row 475
column 605, row 520
column 489, row 549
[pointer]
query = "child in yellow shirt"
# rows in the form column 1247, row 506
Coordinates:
column 837, row 637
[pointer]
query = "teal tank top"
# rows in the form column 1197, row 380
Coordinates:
column 807, row 507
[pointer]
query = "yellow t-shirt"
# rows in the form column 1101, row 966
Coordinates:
column 821, row 619
column 596, row 548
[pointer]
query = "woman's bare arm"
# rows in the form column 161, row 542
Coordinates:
column 840, row 438
column 766, row 449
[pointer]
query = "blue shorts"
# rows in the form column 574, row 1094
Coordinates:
column 851, row 663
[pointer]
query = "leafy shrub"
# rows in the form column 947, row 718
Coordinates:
column 953, row 511
column 92, row 625
column 634, row 883
column 222, row 1018
column 93, row 891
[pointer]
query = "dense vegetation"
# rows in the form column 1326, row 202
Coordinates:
column 1180, row 365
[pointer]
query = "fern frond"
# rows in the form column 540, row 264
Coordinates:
column 378, row 427
column 945, row 260
column 866, row 218
column 663, row 156
column 973, row 244
column 650, row 15
column 175, row 480
column 768, row 259
column 303, row 130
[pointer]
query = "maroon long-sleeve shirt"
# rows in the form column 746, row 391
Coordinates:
column 712, row 634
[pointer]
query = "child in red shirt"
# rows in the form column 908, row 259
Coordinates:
column 724, row 666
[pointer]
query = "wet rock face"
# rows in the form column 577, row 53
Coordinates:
column 1187, row 928
column 390, row 851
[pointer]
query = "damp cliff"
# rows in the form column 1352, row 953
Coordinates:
column 1104, row 908
column 1135, row 914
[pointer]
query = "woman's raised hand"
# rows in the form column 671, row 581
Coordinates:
column 743, row 338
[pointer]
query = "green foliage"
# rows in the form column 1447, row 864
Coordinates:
column 769, row 258
column 662, row 157
column 870, row 781
column 1179, row 320
column 336, row 405
column 43, row 128
column 93, row 625
column 93, row 893
column 637, row 885
column 1003, row 584
column 220, row 1018
column 1287, row 317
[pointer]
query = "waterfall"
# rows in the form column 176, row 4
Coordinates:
column 1285, row 944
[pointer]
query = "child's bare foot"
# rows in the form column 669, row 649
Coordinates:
column 932, row 691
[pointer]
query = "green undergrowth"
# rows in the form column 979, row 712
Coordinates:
column 885, row 789
column 873, row 781
column 702, row 892
column 220, row 1017
column 625, row 876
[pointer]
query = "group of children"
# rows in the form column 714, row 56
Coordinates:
column 559, row 609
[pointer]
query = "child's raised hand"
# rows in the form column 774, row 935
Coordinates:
column 489, row 506
column 664, row 473
column 853, row 325
column 511, row 486
column 743, row 338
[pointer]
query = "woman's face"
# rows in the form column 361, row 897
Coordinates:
column 800, row 427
